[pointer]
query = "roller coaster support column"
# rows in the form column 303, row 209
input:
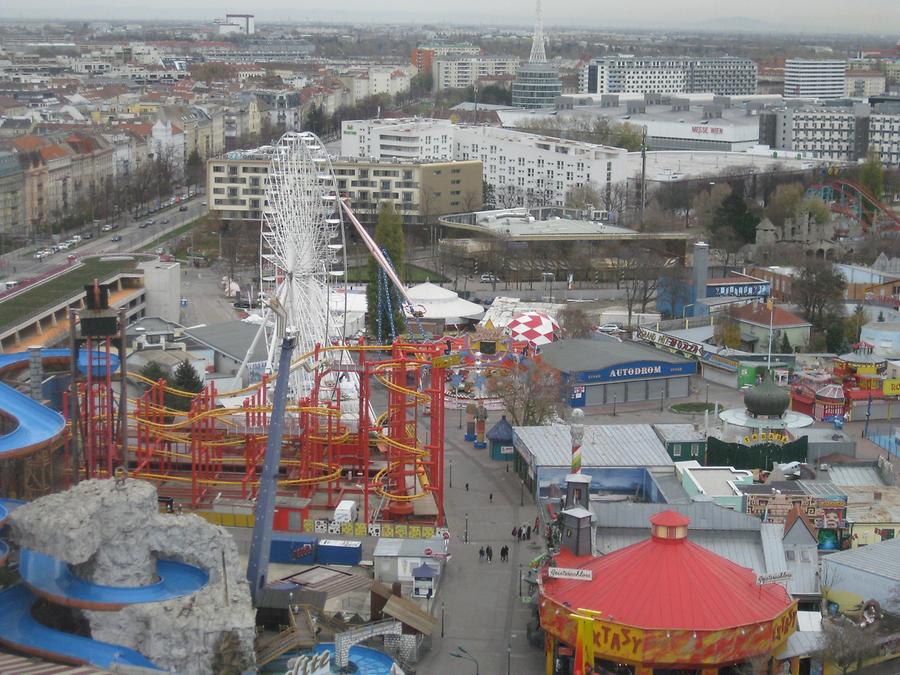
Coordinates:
column 74, row 413
column 258, row 563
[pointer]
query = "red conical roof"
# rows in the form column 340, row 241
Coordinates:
column 668, row 583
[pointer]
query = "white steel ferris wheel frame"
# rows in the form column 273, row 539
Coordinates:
column 302, row 249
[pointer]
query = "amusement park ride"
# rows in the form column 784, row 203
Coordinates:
column 334, row 446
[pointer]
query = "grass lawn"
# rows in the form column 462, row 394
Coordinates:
column 692, row 407
column 414, row 275
column 21, row 306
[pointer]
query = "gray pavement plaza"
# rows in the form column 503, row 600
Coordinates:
column 482, row 610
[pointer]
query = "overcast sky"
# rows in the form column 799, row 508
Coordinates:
column 875, row 16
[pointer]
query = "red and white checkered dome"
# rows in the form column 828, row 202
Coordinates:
column 535, row 328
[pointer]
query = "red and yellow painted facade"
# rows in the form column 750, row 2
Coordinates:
column 646, row 649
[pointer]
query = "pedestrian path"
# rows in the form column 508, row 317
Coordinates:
column 482, row 608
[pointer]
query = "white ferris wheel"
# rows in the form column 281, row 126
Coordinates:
column 302, row 251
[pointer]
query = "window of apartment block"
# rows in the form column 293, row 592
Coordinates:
column 695, row 449
column 218, row 168
column 676, row 450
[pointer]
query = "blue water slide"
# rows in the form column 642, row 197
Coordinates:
column 53, row 579
column 20, row 631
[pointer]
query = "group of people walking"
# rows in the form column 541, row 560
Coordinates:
column 522, row 533
column 486, row 553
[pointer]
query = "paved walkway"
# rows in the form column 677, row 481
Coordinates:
column 482, row 609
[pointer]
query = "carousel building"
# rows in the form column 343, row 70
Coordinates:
column 765, row 416
column 661, row 605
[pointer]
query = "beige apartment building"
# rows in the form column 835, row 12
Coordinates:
column 420, row 191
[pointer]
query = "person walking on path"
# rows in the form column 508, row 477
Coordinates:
column 481, row 554
column 467, row 487
column 491, row 498
column 489, row 553
column 504, row 553
column 528, row 534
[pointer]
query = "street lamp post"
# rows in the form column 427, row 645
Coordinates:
column 466, row 531
column 442, row 618
column 707, row 393
column 520, row 580
column 461, row 653
column 450, row 468
column 508, row 658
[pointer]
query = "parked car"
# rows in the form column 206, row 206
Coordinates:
column 183, row 208
column 164, row 221
column 87, row 235
column 117, row 237
column 143, row 225
column 40, row 255
column 106, row 228
column 609, row 328
column 489, row 278
column 76, row 238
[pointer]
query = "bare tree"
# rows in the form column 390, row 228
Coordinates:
column 582, row 196
column 640, row 269
column 508, row 197
column 846, row 644
column 574, row 323
column 530, row 396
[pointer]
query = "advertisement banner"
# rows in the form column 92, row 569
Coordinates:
column 891, row 387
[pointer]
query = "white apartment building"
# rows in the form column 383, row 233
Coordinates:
column 454, row 71
column 627, row 74
column 814, row 78
column 845, row 133
column 372, row 81
column 528, row 167
column 884, row 137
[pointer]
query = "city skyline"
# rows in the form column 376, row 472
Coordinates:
column 869, row 16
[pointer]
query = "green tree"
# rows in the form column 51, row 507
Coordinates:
column 195, row 169
column 871, row 176
column 185, row 378
column 817, row 290
column 388, row 236
column 784, row 202
column 735, row 213
column 488, row 195
column 316, row 121
column 727, row 333
column 836, row 337
column 854, row 324
column 786, row 344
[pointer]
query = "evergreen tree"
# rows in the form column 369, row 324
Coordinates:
column 735, row 214
column 786, row 344
column 185, row 379
column 388, row 236
column 195, row 168
column 488, row 195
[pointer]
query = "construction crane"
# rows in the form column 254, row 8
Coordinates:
column 260, row 545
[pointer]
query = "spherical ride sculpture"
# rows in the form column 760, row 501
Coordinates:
column 536, row 328
column 301, row 248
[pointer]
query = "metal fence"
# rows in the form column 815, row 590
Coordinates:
column 884, row 436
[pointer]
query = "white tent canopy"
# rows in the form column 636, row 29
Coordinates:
column 442, row 303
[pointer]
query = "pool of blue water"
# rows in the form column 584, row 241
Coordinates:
column 367, row 661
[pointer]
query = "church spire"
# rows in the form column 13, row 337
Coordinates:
column 538, row 55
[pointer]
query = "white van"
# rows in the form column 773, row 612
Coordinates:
column 345, row 512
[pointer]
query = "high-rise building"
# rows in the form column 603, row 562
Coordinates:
column 517, row 165
column 456, row 71
column 425, row 54
column 625, row 74
column 537, row 83
column 814, row 78
column 419, row 191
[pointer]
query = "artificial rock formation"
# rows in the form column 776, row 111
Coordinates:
column 112, row 534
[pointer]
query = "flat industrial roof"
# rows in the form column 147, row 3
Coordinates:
column 573, row 356
column 714, row 480
column 554, row 225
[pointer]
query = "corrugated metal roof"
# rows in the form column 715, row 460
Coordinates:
column 703, row 515
column 672, row 490
column 679, row 433
column 604, row 445
column 882, row 559
column 821, row 488
column 844, row 475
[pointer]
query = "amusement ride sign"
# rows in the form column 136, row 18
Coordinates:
column 570, row 573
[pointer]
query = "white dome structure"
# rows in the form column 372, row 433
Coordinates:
column 442, row 303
